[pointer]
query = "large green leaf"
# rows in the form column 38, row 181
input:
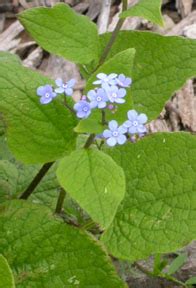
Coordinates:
column 158, row 212
column 36, row 133
column 161, row 66
column 147, row 9
column 63, row 32
column 6, row 277
column 120, row 63
column 15, row 178
column 8, row 180
column 95, row 181
column 44, row 252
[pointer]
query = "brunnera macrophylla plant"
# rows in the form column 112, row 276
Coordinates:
column 133, row 190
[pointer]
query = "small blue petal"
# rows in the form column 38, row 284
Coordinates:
column 102, row 105
column 81, row 114
column 111, row 141
column 59, row 90
column 68, row 91
column 40, row 91
column 59, row 82
column 119, row 101
column 113, row 125
column 44, row 100
column 121, row 139
column 107, row 133
column 142, row 118
column 132, row 130
column 71, row 83
column 132, row 115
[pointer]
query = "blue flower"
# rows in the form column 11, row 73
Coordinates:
column 115, row 94
column 105, row 79
column 66, row 88
column 46, row 93
column 135, row 124
column 115, row 135
column 83, row 109
column 123, row 81
column 98, row 98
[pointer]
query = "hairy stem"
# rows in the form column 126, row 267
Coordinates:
column 60, row 201
column 42, row 172
column 114, row 35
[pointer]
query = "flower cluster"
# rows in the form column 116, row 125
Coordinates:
column 133, row 126
column 111, row 90
column 47, row 93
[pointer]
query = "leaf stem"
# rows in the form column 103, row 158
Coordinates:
column 60, row 201
column 114, row 35
column 42, row 172
column 103, row 120
column 89, row 141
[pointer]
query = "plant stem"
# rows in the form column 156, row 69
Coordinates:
column 162, row 275
column 89, row 141
column 103, row 120
column 60, row 201
column 25, row 195
column 114, row 35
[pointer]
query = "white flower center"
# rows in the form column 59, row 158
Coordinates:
column 85, row 109
column 115, row 133
column 114, row 95
column 64, row 86
column 47, row 95
column 98, row 99
column 135, row 123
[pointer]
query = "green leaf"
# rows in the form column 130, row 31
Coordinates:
column 8, row 180
column 61, row 31
column 147, row 9
column 6, row 56
column 6, row 277
column 36, row 133
column 158, row 212
column 159, row 264
column 177, row 263
column 191, row 281
column 44, row 252
column 90, row 125
column 15, row 178
column 4, row 150
column 120, row 63
column 95, row 181
column 161, row 67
